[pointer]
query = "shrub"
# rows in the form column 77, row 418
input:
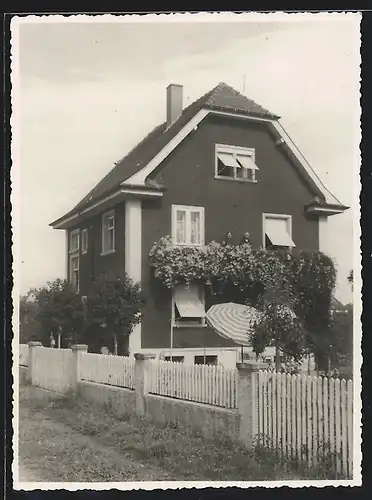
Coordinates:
column 113, row 308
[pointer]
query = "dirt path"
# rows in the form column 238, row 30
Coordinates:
column 50, row 450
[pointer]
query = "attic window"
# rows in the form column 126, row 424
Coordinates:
column 233, row 162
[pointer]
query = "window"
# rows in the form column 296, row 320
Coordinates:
column 108, row 232
column 233, row 162
column 277, row 231
column 175, row 359
column 205, row 360
column 74, row 240
column 74, row 258
column 74, row 271
column 84, row 241
column 187, row 225
column 188, row 307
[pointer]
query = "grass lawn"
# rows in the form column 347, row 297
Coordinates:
column 61, row 439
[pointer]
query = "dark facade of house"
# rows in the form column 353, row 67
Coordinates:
column 92, row 262
column 190, row 177
column 229, row 206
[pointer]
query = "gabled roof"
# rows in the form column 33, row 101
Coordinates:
column 336, row 305
column 222, row 97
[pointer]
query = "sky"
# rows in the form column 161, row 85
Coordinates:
column 84, row 93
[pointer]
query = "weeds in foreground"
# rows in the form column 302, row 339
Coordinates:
column 184, row 453
column 326, row 464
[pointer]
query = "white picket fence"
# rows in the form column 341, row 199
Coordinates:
column 212, row 385
column 307, row 418
column 107, row 369
column 23, row 354
column 51, row 368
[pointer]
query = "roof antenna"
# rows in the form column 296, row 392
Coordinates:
column 244, row 78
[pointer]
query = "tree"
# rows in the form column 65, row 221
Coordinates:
column 60, row 311
column 113, row 308
column 279, row 327
column 342, row 337
column 350, row 278
column 29, row 326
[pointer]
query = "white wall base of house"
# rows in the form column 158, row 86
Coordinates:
column 226, row 356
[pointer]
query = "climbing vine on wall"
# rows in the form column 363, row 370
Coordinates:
column 217, row 265
column 248, row 274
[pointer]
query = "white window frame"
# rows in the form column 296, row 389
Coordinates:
column 73, row 233
column 286, row 217
column 184, row 323
column 74, row 255
column 235, row 151
column 188, row 209
column 108, row 215
column 84, row 241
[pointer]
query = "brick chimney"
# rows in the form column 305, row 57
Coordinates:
column 174, row 102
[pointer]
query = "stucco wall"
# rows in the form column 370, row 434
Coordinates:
column 209, row 421
column 121, row 400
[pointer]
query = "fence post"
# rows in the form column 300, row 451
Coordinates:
column 31, row 346
column 139, row 382
column 247, row 400
column 76, row 349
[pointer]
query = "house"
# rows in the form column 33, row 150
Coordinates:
column 337, row 307
column 30, row 298
column 223, row 164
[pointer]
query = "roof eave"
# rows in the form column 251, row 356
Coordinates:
column 325, row 209
column 255, row 114
column 121, row 194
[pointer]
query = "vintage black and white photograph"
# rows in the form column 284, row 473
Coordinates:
column 186, row 253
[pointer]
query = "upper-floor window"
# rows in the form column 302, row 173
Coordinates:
column 235, row 162
column 74, row 240
column 277, row 231
column 84, row 241
column 108, row 232
column 187, row 225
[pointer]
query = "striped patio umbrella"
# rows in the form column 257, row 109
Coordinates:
column 233, row 321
